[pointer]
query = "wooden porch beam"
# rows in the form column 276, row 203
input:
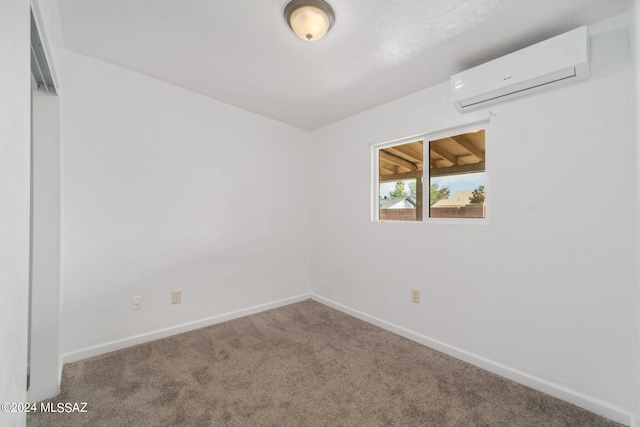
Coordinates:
column 419, row 201
column 397, row 160
column 415, row 156
column 443, row 153
column 469, row 146
column 400, row 176
column 456, row 170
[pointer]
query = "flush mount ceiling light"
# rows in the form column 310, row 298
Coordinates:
column 309, row 19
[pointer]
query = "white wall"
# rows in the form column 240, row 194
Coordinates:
column 164, row 189
column 15, row 87
column 542, row 293
column 45, row 356
column 634, row 12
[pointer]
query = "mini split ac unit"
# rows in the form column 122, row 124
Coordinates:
column 559, row 60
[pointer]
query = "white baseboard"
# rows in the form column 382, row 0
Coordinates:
column 99, row 349
column 37, row 394
column 579, row 399
column 40, row 390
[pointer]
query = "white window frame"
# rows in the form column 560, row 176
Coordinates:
column 426, row 139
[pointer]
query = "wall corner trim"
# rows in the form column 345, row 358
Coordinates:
column 589, row 403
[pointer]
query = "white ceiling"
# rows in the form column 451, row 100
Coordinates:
column 243, row 53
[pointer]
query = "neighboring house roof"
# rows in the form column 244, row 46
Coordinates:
column 461, row 198
column 397, row 203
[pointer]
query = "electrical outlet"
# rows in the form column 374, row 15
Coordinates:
column 415, row 295
column 136, row 303
column 176, row 297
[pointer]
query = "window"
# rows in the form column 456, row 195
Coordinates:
column 455, row 176
column 400, row 182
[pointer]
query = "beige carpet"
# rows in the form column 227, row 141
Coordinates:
column 300, row 365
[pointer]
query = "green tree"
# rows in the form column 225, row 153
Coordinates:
column 412, row 189
column 399, row 190
column 438, row 193
column 477, row 196
column 435, row 191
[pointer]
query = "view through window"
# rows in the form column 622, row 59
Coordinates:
column 456, row 178
column 400, row 178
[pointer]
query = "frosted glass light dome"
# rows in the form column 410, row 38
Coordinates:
column 309, row 19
